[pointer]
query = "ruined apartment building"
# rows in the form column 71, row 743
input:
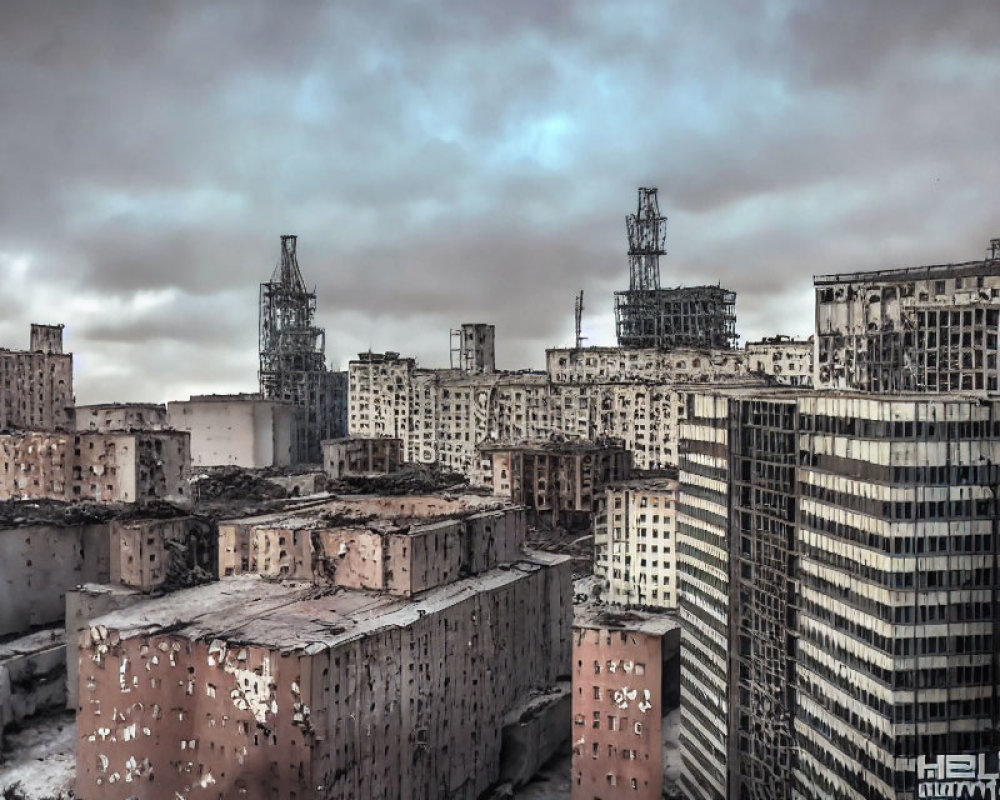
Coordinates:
column 561, row 481
column 396, row 685
column 588, row 393
column 107, row 417
column 36, row 385
column 648, row 316
column 244, row 430
column 786, row 360
column 118, row 467
column 929, row 329
column 619, row 701
column 635, row 543
column 848, row 625
column 355, row 456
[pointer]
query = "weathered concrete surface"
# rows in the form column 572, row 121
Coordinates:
column 32, row 672
column 259, row 690
column 38, row 564
column 83, row 604
column 533, row 732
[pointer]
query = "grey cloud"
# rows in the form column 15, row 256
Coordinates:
column 452, row 161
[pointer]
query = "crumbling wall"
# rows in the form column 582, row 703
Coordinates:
column 424, row 557
column 361, row 456
column 39, row 564
column 121, row 417
column 32, row 676
column 618, row 706
column 409, row 707
column 198, row 718
column 147, row 554
column 84, row 603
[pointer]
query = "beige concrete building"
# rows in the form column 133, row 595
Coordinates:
column 635, row 543
column 560, row 480
column 929, row 328
column 235, row 429
column 36, row 385
column 354, row 456
column 619, row 701
column 285, row 689
column 105, row 467
column 787, row 361
column 108, row 417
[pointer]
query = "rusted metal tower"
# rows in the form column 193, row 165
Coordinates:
column 647, row 241
column 293, row 354
column 578, row 314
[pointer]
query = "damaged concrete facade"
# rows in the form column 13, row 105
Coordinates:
column 619, row 701
column 839, row 588
column 107, row 417
column 473, row 348
column 635, row 543
column 36, row 385
column 784, row 359
column 244, row 430
column 394, row 686
column 685, row 316
column 932, row 328
column 558, row 480
column 104, row 467
column 356, row 456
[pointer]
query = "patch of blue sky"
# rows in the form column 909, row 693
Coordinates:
column 182, row 207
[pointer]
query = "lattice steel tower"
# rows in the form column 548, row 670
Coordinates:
column 647, row 241
column 293, row 354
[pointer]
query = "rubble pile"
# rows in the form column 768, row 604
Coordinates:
column 409, row 479
column 578, row 543
column 61, row 514
column 229, row 484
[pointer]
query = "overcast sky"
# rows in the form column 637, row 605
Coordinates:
column 448, row 162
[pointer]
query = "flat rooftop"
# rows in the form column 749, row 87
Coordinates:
column 597, row 616
column 384, row 512
column 289, row 616
column 935, row 271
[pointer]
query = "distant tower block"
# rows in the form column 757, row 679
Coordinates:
column 473, row 348
column 46, row 339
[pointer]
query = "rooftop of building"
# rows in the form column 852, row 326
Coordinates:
column 294, row 615
column 599, row 616
column 780, row 339
column 773, row 392
column 635, row 352
column 682, row 290
column 242, row 397
column 935, row 271
column 100, row 406
column 386, row 513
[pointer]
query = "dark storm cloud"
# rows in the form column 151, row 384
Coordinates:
column 462, row 161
